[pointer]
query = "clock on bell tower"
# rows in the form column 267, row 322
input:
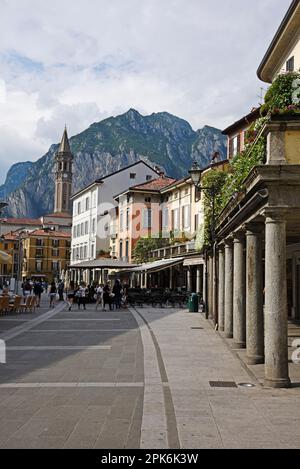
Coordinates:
column 63, row 176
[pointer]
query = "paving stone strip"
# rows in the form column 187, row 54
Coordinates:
column 157, row 391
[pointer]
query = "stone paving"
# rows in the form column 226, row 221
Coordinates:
column 133, row 378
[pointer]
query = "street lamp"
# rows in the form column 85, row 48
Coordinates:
column 196, row 173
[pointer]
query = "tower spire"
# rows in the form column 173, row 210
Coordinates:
column 63, row 175
column 65, row 144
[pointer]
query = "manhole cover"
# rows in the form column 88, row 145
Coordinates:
column 246, row 385
column 222, row 384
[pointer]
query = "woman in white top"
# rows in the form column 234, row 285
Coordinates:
column 99, row 296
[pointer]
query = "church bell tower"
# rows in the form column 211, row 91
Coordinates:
column 63, row 176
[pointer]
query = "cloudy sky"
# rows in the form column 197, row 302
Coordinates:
column 79, row 61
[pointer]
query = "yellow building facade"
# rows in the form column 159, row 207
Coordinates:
column 46, row 254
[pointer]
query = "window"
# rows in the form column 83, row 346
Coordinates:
column 39, row 252
column 175, row 219
column 121, row 221
column 87, row 203
column 127, row 219
column 94, row 225
column 39, row 266
column 55, row 243
column 55, row 252
column 148, row 178
column 121, row 250
column 132, row 175
column 74, row 231
column 165, row 218
column 81, row 229
column 86, row 227
column 55, row 266
column 40, row 242
column 79, row 208
column 93, row 251
column 234, row 146
column 147, row 218
column 78, row 230
column 148, row 200
column 81, row 252
column 290, row 65
column 85, row 251
column 127, row 249
column 186, row 215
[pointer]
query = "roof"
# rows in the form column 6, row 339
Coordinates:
column 21, row 221
column 155, row 184
column 11, row 236
column 58, row 215
column 244, row 121
column 53, row 234
column 101, row 180
column 104, row 264
column 282, row 40
column 64, row 145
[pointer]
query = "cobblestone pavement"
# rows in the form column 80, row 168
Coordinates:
column 130, row 379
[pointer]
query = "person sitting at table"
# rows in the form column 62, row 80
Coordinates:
column 5, row 291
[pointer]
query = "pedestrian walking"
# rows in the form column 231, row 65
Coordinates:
column 117, row 291
column 52, row 294
column 71, row 295
column 81, row 295
column 38, row 290
column 99, row 296
column 107, row 297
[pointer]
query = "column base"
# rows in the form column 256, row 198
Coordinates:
column 239, row 345
column 277, row 383
column 255, row 360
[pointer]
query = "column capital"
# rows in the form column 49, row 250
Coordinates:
column 221, row 246
column 228, row 242
column 275, row 214
column 256, row 228
column 239, row 236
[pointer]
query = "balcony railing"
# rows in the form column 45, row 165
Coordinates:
column 175, row 250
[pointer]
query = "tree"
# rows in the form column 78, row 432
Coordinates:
column 143, row 248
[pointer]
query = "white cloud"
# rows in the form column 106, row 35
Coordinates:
column 78, row 61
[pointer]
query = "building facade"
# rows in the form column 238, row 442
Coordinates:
column 45, row 254
column 94, row 208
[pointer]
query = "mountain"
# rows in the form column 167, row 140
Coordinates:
column 107, row 146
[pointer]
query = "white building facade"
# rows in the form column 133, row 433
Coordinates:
column 93, row 208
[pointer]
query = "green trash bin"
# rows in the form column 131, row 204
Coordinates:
column 194, row 303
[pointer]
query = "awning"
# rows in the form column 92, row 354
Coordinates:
column 103, row 264
column 159, row 265
column 5, row 258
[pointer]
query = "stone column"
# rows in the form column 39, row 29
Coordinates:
column 276, row 324
column 171, row 278
column 239, row 290
column 228, row 303
column 198, row 283
column 221, row 295
column 189, row 280
column 210, row 285
column 254, row 295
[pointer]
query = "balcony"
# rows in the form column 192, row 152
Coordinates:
column 175, row 250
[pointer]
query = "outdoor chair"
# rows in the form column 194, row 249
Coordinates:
column 25, row 307
column 15, row 307
column 1, row 306
column 4, row 307
column 32, row 304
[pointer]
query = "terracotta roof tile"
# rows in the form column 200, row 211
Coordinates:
column 53, row 234
column 155, row 184
column 21, row 221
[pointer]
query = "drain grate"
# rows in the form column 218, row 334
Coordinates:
column 197, row 328
column 222, row 384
